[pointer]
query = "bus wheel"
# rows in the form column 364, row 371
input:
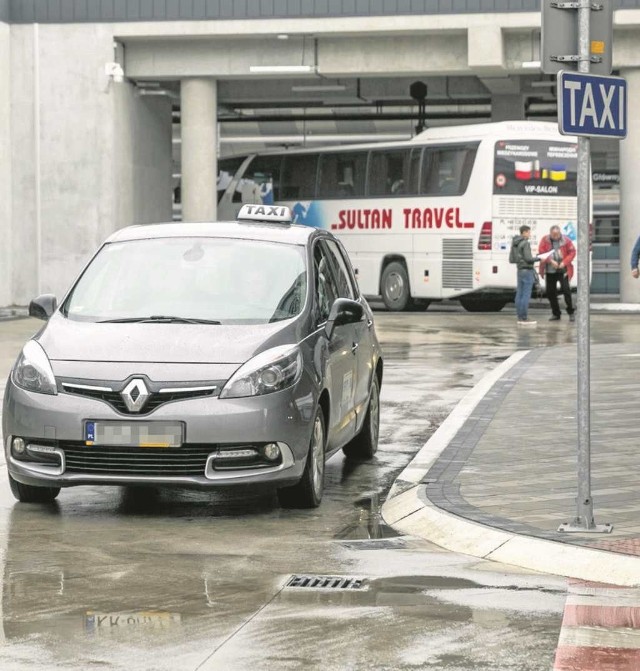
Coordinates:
column 395, row 287
column 482, row 304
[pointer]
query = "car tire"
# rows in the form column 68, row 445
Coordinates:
column 395, row 287
column 31, row 494
column 307, row 493
column 365, row 444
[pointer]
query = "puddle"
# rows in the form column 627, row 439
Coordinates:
column 367, row 524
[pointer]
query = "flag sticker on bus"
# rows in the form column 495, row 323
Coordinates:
column 535, row 168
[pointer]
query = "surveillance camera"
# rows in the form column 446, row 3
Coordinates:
column 115, row 72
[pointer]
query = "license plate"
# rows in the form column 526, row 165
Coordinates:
column 133, row 434
column 94, row 621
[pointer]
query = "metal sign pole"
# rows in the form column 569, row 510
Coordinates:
column 584, row 521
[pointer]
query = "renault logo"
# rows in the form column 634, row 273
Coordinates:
column 135, row 395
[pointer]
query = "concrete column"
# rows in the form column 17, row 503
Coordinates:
column 630, row 190
column 199, row 118
column 507, row 107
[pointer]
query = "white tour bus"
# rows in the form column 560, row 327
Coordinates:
column 425, row 219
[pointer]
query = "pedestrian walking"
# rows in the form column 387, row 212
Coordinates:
column 557, row 253
column 635, row 259
column 521, row 255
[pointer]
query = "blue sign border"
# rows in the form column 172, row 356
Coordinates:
column 590, row 131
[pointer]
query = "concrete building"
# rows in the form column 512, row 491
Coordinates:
column 104, row 102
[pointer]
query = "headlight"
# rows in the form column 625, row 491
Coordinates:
column 273, row 370
column 33, row 371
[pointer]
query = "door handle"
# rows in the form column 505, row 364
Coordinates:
column 354, row 348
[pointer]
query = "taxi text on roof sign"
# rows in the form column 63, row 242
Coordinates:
column 592, row 105
column 267, row 213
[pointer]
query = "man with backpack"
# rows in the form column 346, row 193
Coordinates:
column 521, row 255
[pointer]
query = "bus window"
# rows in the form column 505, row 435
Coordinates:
column 413, row 183
column 388, row 172
column 446, row 171
column 341, row 175
column 227, row 169
column 299, row 177
column 261, row 180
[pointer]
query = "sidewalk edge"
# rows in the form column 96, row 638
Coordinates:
column 409, row 511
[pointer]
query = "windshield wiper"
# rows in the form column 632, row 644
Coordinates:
column 161, row 319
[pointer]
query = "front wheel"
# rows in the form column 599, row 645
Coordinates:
column 365, row 444
column 31, row 494
column 308, row 492
column 395, row 287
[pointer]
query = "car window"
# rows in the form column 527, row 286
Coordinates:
column 325, row 289
column 223, row 279
column 341, row 272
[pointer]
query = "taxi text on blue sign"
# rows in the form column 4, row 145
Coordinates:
column 592, row 105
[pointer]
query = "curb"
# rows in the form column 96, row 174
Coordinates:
column 409, row 511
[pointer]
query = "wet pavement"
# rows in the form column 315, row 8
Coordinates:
column 161, row 579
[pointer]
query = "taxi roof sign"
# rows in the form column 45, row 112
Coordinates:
column 273, row 214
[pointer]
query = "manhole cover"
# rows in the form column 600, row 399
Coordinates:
column 325, row 582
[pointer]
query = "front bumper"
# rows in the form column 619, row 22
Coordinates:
column 57, row 422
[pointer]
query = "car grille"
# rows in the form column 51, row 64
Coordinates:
column 165, row 462
column 188, row 460
column 154, row 401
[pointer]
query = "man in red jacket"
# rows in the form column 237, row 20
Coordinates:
column 557, row 268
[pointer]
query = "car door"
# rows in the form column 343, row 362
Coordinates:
column 341, row 363
column 363, row 342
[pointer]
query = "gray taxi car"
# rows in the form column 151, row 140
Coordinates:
column 198, row 355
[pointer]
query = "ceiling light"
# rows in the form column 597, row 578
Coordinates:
column 531, row 65
column 281, row 69
column 282, row 36
column 311, row 88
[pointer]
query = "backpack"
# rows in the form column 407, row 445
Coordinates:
column 514, row 253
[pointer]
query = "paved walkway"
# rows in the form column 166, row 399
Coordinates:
column 499, row 476
column 513, row 463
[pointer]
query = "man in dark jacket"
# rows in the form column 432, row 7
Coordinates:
column 524, row 259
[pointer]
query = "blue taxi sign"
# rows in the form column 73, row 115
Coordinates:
column 592, row 105
column 273, row 214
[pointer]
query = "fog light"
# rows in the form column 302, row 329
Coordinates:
column 271, row 451
column 18, row 446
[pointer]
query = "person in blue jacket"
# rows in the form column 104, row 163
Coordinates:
column 635, row 258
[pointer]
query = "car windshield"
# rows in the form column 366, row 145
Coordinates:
column 215, row 280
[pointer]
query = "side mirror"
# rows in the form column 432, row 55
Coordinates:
column 43, row 306
column 343, row 311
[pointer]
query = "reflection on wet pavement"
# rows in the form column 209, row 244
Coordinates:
column 157, row 579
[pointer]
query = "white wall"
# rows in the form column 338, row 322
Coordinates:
column 5, row 168
column 88, row 155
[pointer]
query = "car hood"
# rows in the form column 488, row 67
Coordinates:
column 67, row 340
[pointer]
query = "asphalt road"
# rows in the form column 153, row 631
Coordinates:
column 174, row 580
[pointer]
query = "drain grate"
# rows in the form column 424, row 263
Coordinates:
column 325, row 582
